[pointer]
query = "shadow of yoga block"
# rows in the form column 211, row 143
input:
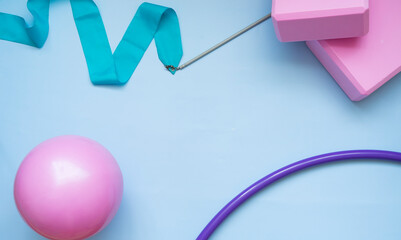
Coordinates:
column 303, row 20
column 362, row 65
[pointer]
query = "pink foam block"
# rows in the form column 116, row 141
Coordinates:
column 303, row 20
column 362, row 65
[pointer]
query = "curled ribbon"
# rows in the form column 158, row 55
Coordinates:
column 105, row 68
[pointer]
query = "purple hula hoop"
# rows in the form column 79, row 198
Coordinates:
column 285, row 171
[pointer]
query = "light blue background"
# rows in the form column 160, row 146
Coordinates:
column 189, row 143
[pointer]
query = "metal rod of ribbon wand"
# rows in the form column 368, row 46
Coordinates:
column 268, row 16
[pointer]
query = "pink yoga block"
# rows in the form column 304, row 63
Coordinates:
column 303, row 20
column 362, row 65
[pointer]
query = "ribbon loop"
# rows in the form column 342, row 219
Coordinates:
column 105, row 68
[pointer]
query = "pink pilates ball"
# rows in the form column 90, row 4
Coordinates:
column 68, row 188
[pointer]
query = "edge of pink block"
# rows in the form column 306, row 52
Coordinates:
column 337, row 70
column 318, row 14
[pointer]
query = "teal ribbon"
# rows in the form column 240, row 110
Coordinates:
column 150, row 22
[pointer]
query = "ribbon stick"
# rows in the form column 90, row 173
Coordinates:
column 105, row 68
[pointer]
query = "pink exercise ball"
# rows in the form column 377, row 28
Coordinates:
column 68, row 188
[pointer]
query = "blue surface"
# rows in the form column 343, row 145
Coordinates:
column 189, row 143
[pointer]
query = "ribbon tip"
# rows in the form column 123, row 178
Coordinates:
column 171, row 69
